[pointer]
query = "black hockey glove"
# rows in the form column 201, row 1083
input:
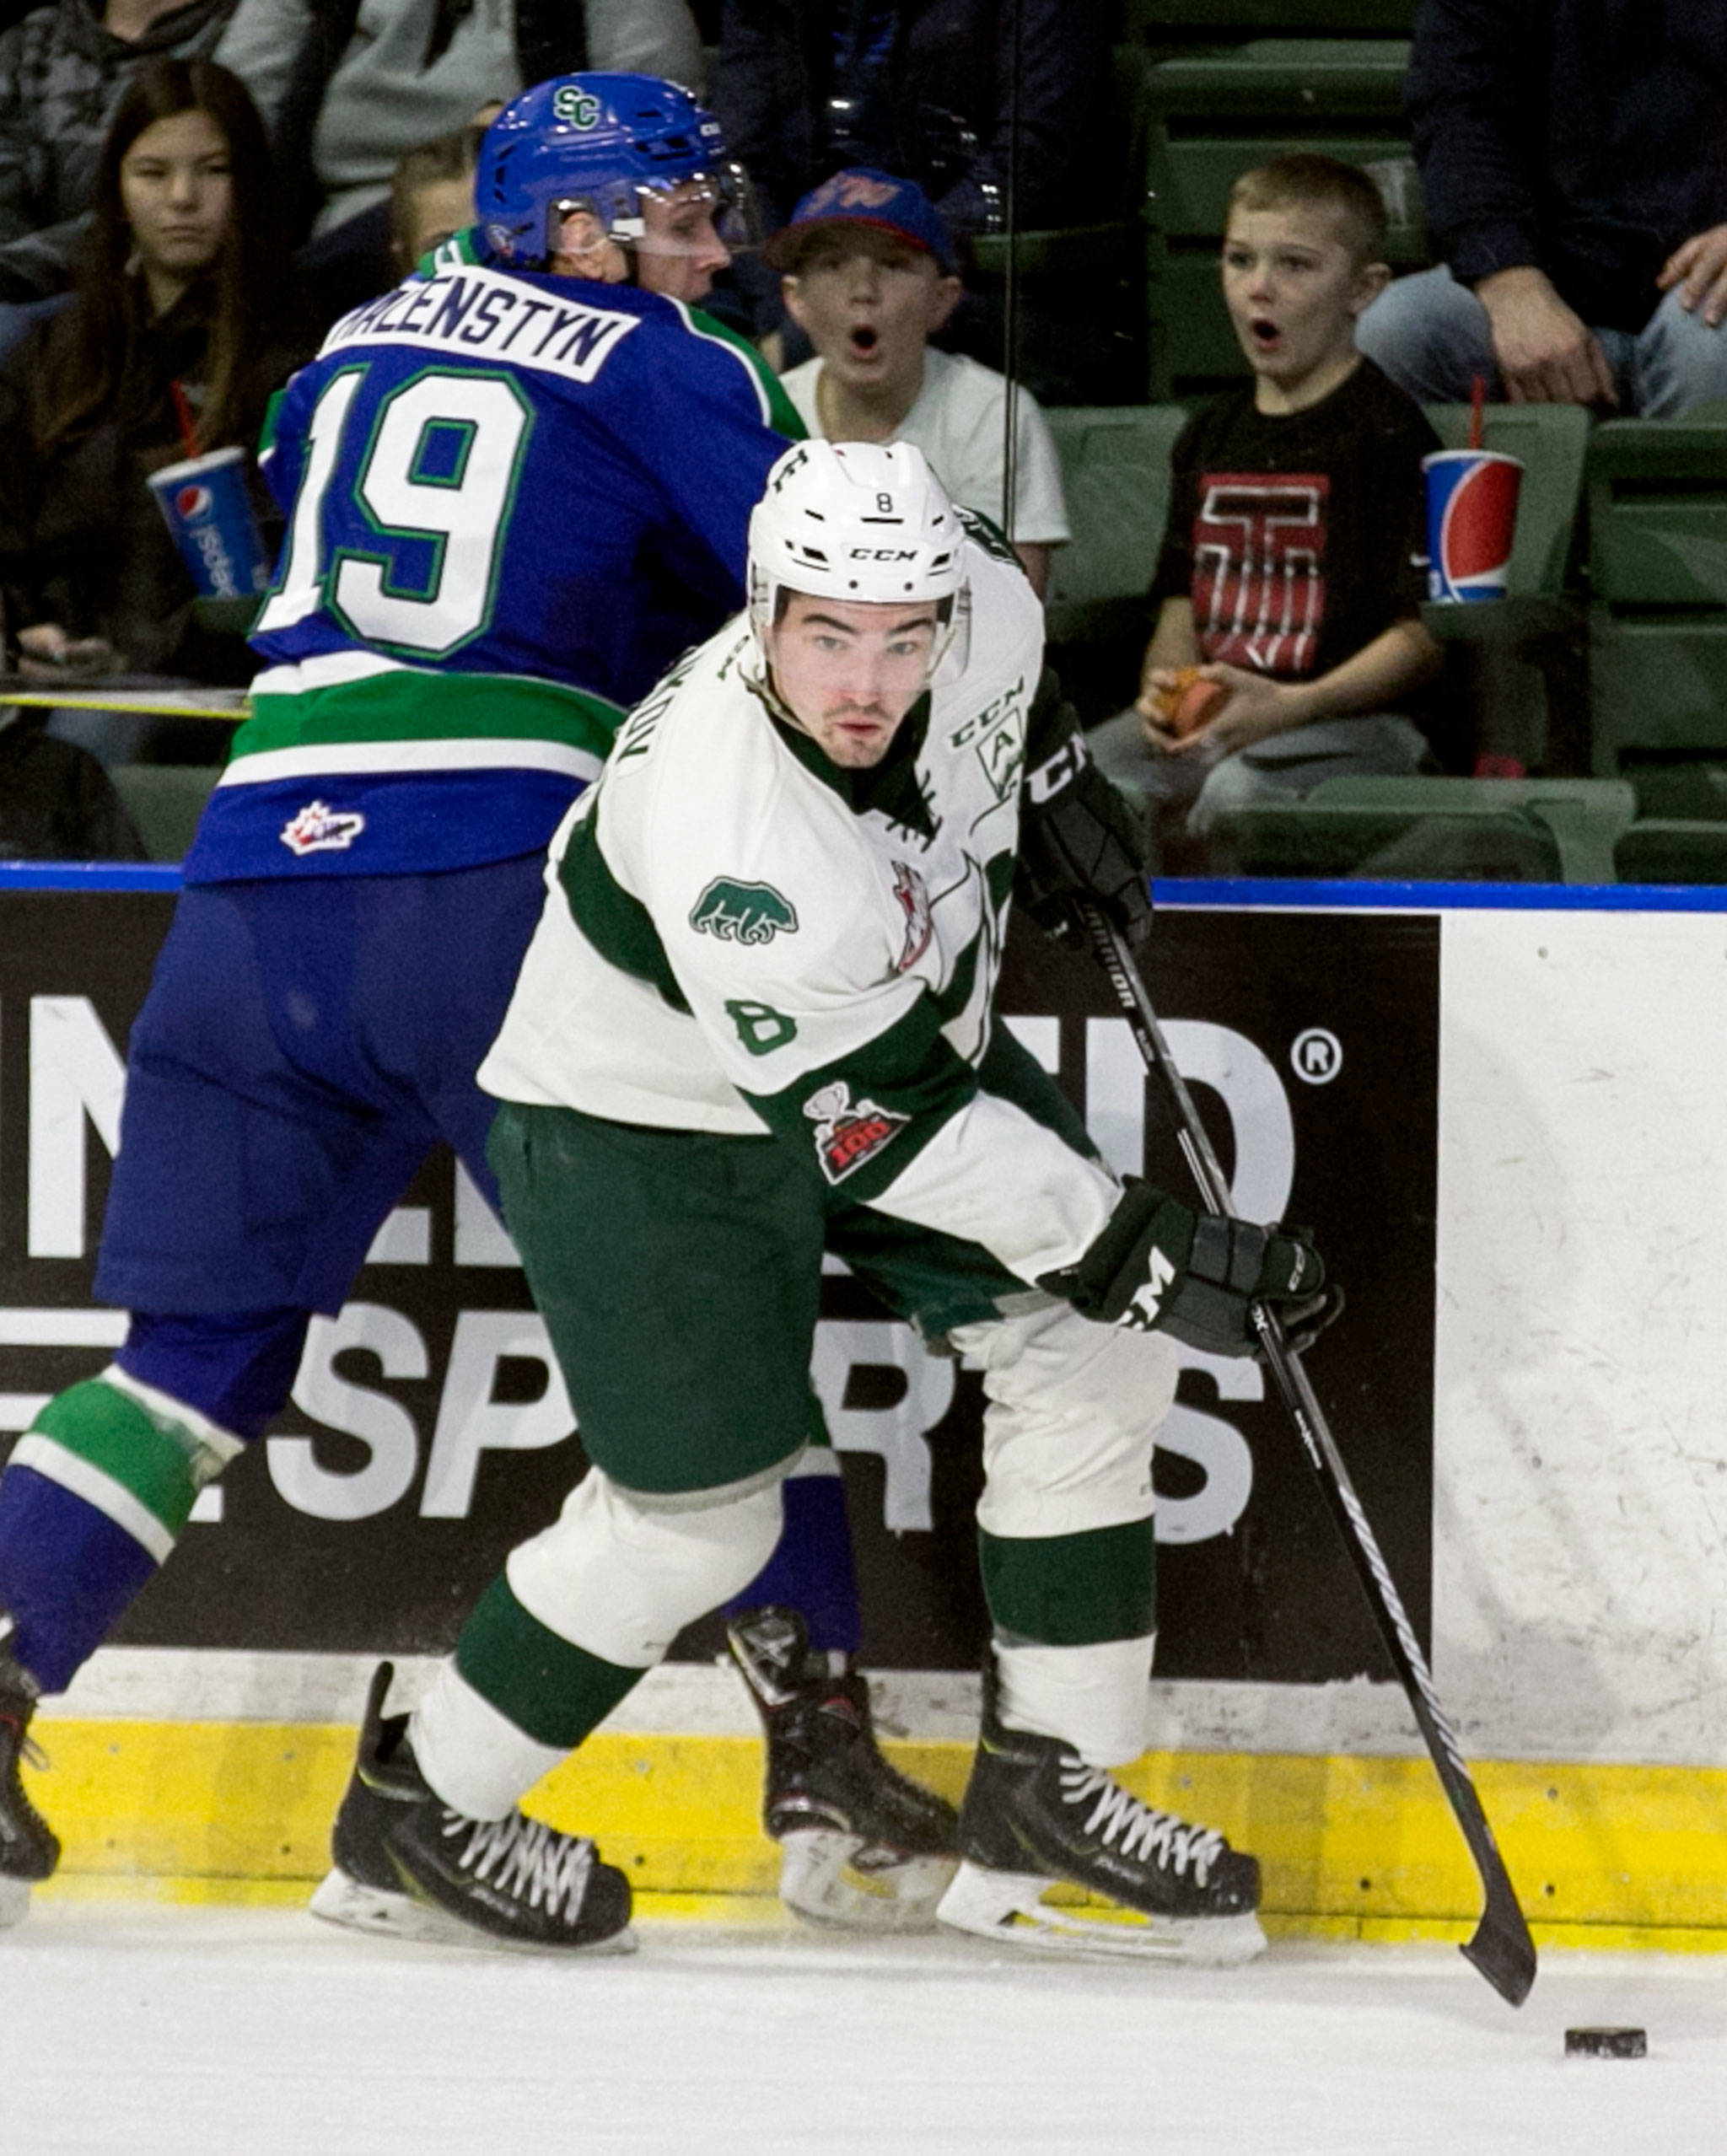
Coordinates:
column 1078, row 837
column 1159, row 1266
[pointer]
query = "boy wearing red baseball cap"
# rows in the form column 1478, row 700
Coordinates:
column 870, row 274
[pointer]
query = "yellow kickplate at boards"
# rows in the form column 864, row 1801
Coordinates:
column 1355, row 1847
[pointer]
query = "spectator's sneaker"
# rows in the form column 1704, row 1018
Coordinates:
column 861, row 1845
column 1035, row 1817
column 30, row 1850
column 406, row 1864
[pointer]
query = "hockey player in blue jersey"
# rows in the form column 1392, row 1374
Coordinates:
column 518, row 487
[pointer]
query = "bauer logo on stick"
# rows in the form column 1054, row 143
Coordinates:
column 847, row 1136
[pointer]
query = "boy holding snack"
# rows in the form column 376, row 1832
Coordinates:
column 1289, row 639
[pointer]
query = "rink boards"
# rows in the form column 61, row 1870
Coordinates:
column 1500, row 1109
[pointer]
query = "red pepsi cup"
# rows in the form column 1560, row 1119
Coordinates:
column 207, row 507
column 1472, row 518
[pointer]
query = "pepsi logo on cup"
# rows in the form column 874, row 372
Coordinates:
column 1472, row 518
column 194, row 503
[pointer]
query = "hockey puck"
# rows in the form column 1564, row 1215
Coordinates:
column 1606, row 2044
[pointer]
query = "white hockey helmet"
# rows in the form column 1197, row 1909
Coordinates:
column 862, row 522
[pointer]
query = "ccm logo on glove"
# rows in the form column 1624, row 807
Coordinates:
column 1159, row 1264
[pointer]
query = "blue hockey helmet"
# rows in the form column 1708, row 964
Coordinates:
column 598, row 142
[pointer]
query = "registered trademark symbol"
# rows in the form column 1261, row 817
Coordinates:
column 1317, row 1055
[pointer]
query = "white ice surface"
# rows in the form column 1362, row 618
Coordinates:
column 233, row 2033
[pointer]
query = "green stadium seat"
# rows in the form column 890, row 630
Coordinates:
column 1462, row 829
column 1081, row 329
column 1524, row 662
column 1116, row 475
column 1209, row 117
column 1193, row 22
column 1672, row 850
column 1658, row 616
column 165, row 802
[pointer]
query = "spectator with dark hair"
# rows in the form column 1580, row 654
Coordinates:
column 398, row 73
column 62, row 70
column 183, row 288
column 923, row 89
column 1574, row 163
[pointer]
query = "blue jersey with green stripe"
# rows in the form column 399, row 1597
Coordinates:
column 513, row 501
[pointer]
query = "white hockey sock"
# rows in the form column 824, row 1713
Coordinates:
column 1094, row 1698
column 475, row 1758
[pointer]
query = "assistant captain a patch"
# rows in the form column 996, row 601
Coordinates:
column 319, row 829
column 845, row 1136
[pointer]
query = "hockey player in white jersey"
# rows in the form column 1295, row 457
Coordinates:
column 756, row 1022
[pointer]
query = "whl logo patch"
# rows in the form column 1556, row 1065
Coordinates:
column 743, row 913
column 319, row 829
column 847, row 1136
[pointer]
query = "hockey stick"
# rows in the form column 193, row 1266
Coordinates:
column 1501, row 1947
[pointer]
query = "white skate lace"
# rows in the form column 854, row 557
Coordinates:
column 526, row 1859
column 1122, row 1823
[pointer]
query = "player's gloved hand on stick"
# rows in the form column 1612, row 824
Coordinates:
column 1158, row 1265
column 1078, row 837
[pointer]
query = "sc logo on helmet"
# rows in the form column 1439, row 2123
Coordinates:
column 576, row 107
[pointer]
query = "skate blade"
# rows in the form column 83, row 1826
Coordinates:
column 1008, row 1908
column 386, row 1914
column 817, row 1882
column 14, row 1902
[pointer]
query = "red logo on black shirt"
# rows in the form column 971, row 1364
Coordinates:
column 847, row 1136
column 1259, row 568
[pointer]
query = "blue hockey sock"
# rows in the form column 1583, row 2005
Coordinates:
column 67, row 1573
column 92, row 1499
column 811, row 1570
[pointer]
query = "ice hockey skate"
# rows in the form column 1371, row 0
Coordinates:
column 1036, row 1817
column 863, row 1848
column 406, row 1864
column 30, row 1849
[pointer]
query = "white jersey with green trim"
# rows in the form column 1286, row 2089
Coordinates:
column 739, row 934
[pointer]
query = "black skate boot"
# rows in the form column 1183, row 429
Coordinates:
column 406, row 1863
column 28, row 1846
column 862, row 1847
column 30, row 1849
column 1035, row 1814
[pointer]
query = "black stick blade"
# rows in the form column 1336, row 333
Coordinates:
column 1504, row 1952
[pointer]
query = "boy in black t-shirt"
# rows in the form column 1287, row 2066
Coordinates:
column 1289, row 577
